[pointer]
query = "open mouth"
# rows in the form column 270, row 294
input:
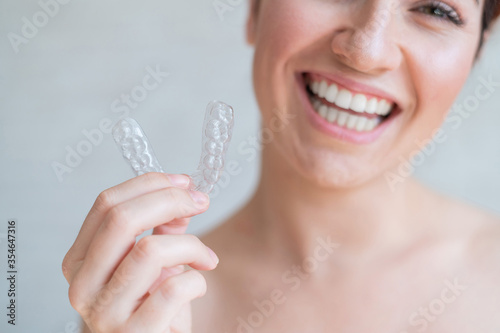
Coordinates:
column 346, row 110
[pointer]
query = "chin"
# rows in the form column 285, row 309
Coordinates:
column 337, row 175
column 322, row 167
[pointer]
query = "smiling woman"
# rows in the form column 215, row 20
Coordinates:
column 325, row 244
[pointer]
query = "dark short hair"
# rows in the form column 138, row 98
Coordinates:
column 491, row 12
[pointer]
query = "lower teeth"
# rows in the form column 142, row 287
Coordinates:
column 345, row 119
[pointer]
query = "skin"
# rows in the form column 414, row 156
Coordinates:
column 396, row 248
column 400, row 260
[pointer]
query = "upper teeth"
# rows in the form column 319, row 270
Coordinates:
column 347, row 100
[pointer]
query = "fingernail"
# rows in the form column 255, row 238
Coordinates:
column 179, row 180
column 213, row 255
column 199, row 197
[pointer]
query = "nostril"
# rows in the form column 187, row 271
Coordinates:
column 365, row 52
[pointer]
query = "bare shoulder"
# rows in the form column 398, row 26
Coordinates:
column 467, row 252
column 484, row 245
column 480, row 231
column 471, row 229
column 481, row 262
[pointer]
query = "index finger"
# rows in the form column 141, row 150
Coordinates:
column 133, row 188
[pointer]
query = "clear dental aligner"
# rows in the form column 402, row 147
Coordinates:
column 216, row 135
column 217, row 131
column 135, row 147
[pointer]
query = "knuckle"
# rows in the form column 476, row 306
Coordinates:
column 102, row 314
column 194, row 241
column 118, row 218
column 99, row 323
column 145, row 248
column 75, row 298
column 66, row 267
column 173, row 288
column 187, row 285
column 97, row 311
column 105, row 200
column 198, row 283
column 196, row 244
column 192, row 238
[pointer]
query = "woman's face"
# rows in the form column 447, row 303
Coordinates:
column 358, row 82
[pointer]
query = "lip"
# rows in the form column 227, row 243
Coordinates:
column 336, row 131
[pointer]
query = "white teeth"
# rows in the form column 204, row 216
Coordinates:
column 323, row 111
column 316, row 104
column 315, row 87
column 342, row 118
column 332, row 115
column 358, row 103
column 371, row 106
column 347, row 100
column 383, row 107
column 361, row 124
column 323, row 86
column 351, row 121
column 345, row 119
column 343, row 99
column 331, row 93
column 371, row 124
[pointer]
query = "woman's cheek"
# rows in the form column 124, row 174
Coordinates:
column 439, row 79
column 271, row 81
column 283, row 36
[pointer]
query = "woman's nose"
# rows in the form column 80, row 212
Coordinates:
column 368, row 44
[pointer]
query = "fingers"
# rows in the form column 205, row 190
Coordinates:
column 112, row 278
column 143, row 265
column 118, row 301
column 174, row 227
column 113, row 196
column 122, row 224
column 156, row 313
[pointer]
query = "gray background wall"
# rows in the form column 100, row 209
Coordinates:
column 64, row 81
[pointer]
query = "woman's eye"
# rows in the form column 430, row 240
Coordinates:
column 435, row 11
column 441, row 11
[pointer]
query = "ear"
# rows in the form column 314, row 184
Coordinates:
column 251, row 26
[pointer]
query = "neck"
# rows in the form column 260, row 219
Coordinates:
column 288, row 212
